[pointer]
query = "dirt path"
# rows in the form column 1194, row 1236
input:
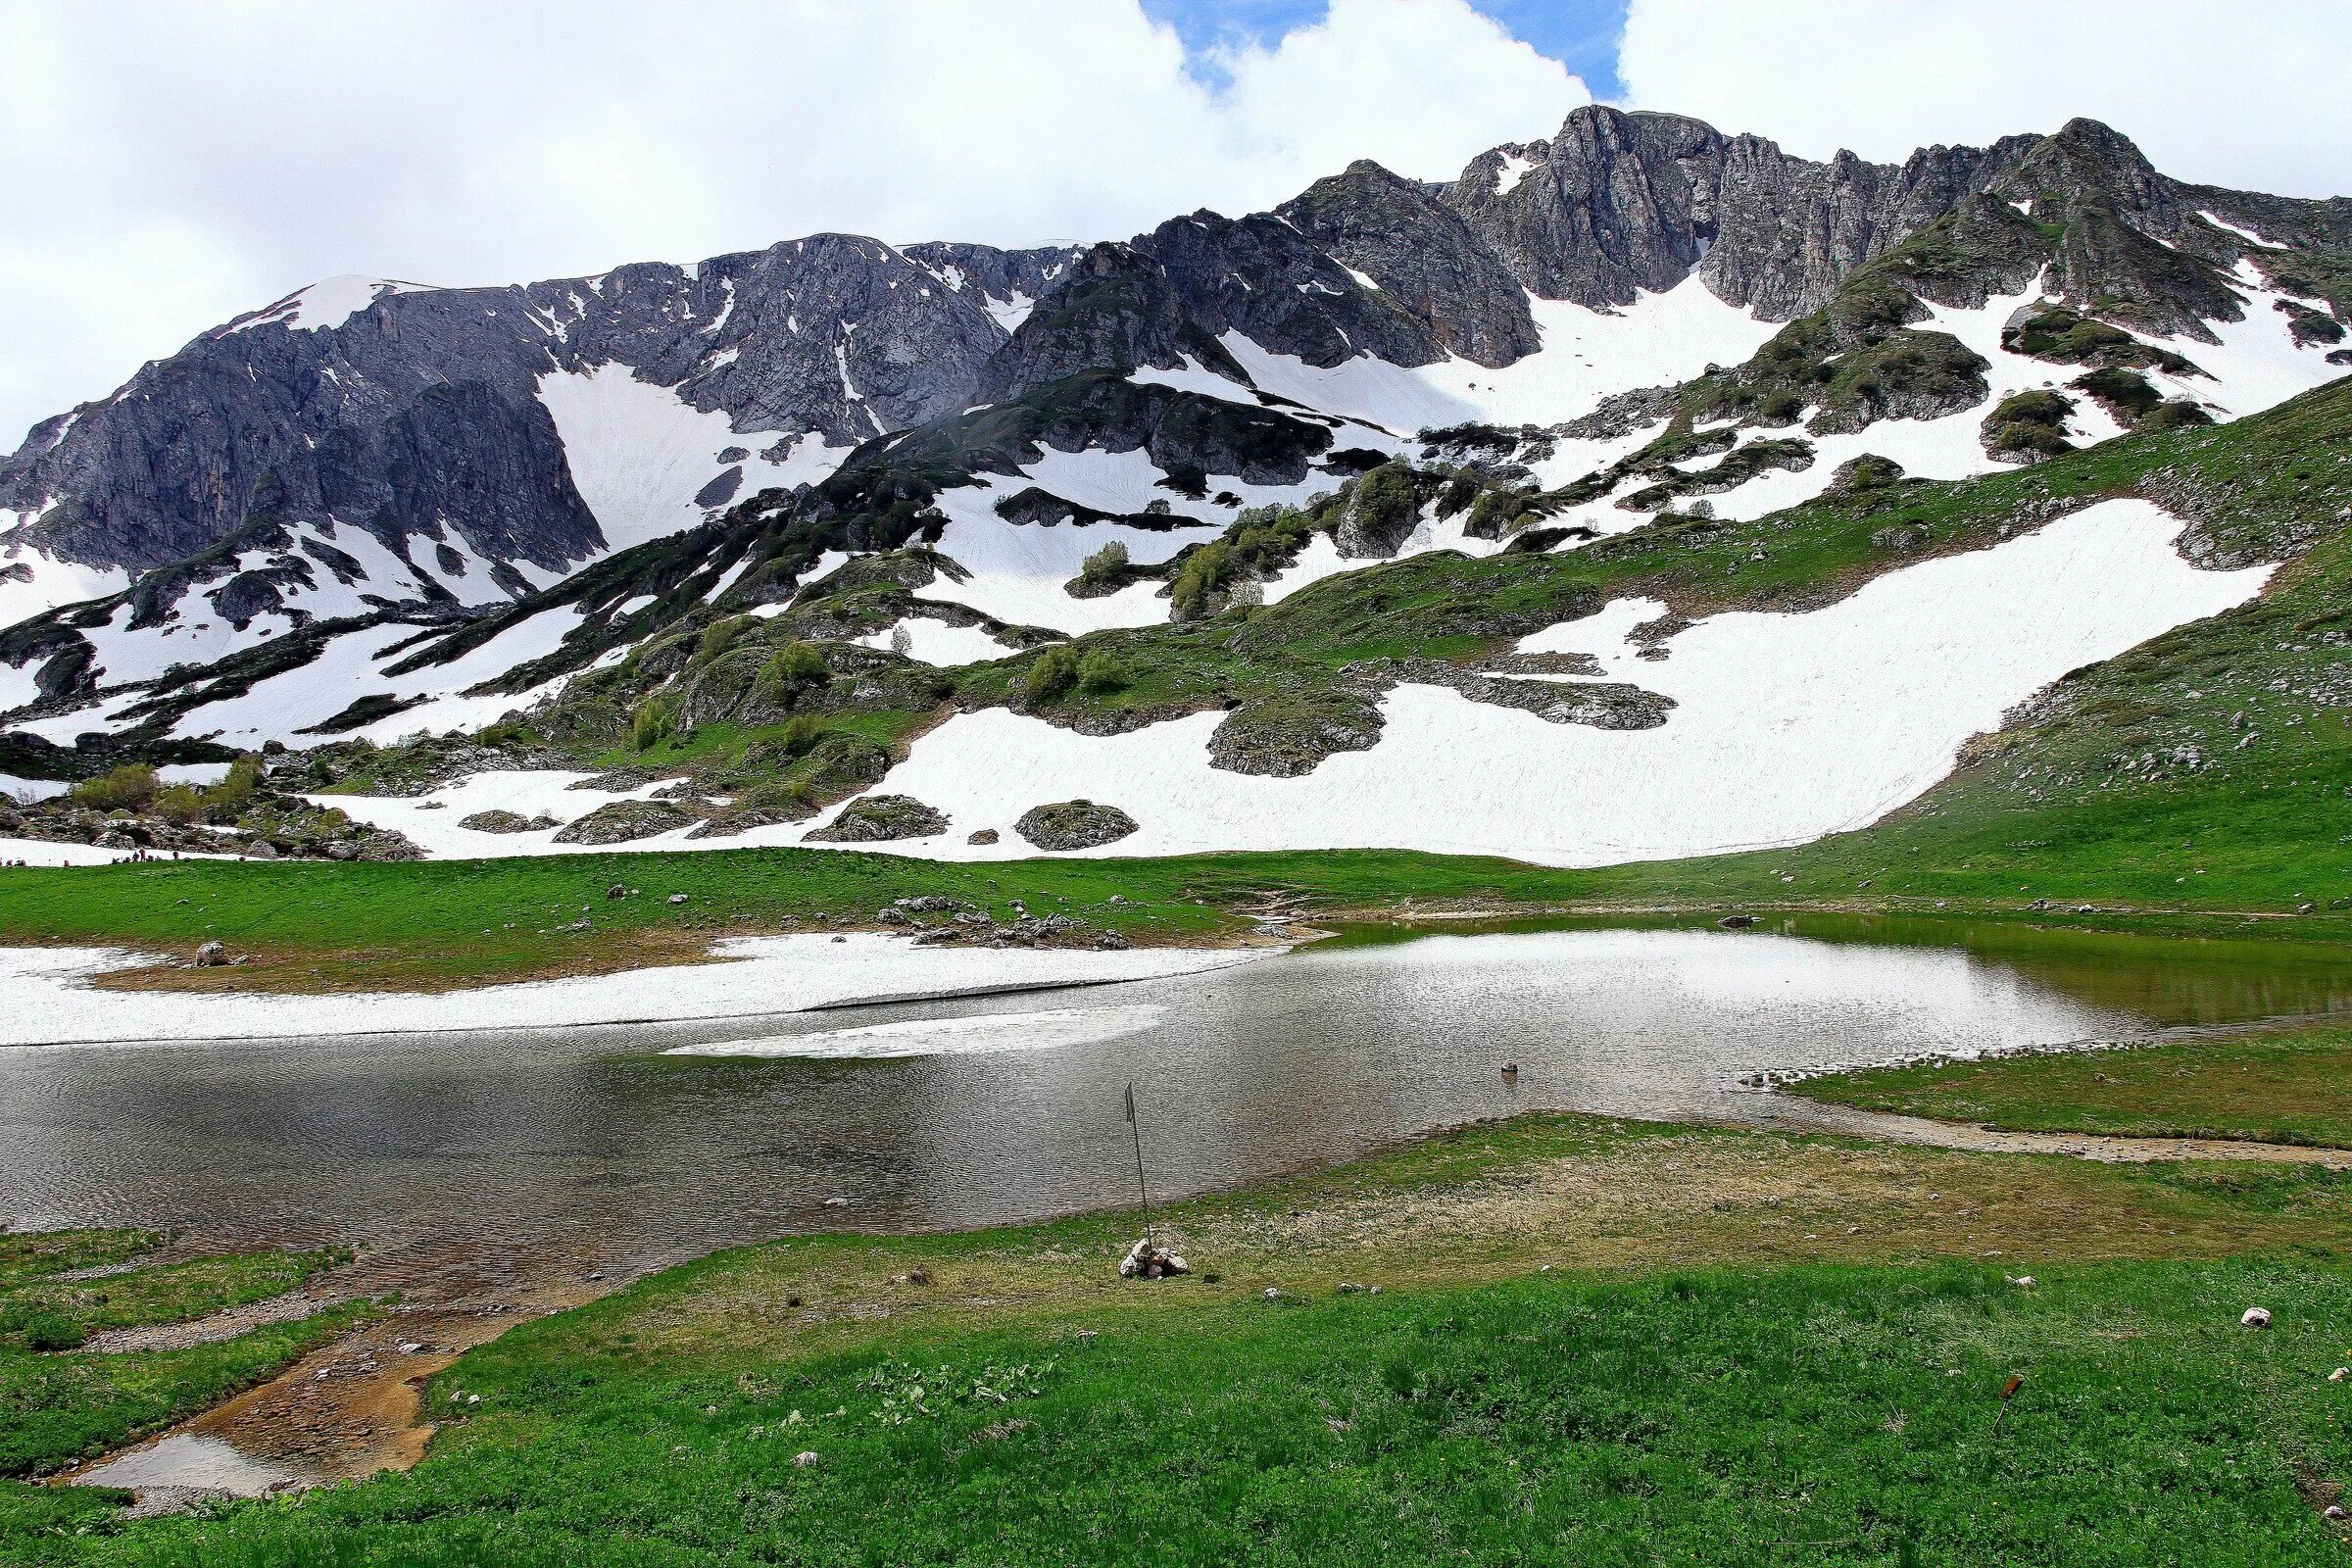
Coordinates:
column 1788, row 1114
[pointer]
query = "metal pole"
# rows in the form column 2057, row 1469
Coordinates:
column 1138, row 1133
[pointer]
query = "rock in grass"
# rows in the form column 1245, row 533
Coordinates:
column 879, row 818
column 2256, row 1317
column 1149, row 1260
column 621, row 821
column 1073, row 825
column 499, row 822
column 804, row 1458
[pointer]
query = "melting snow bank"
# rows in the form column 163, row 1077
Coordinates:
column 1788, row 726
column 45, row 1000
column 945, row 1037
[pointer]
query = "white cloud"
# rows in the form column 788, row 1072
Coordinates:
column 163, row 166
column 2247, row 95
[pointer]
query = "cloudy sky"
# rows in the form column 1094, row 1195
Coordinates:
column 167, row 164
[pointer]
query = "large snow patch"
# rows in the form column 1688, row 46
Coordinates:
column 1788, row 726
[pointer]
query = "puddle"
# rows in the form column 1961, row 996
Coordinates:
column 183, row 1467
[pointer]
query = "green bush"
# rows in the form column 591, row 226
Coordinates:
column 651, row 723
column 1197, row 582
column 1052, row 674
column 236, row 790
column 1107, row 567
column 179, row 805
column 796, row 664
column 127, row 788
column 721, row 635
column 1101, row 670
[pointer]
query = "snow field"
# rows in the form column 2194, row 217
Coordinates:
column 1789, row 726
column 350, row 667
column 639, row 453
column 45, row 1000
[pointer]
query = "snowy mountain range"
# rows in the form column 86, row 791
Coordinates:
column 377, row 510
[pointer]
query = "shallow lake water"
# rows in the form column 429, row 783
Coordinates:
column 622, row 1147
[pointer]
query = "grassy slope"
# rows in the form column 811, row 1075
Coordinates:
column 2289, row 1089
column 1715, row 1375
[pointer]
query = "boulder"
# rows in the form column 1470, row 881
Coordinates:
column 880, row 818
column 986, row 835
column 621, row 821
column 1073, row 825
column 211, row 956
column 1736, row 922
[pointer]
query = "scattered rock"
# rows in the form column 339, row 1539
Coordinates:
column 211, row 956
column 1073, row 825
column 931, row 904
column 1112, row 942
column 677, row 897
column 891, row 914
column 616, row 891
column 1148, row 1260
column 880, row 818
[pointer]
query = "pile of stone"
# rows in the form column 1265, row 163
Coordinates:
column 1149, row 1260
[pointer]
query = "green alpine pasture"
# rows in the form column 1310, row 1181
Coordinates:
column 2286, row 1087
column 1559, row 1340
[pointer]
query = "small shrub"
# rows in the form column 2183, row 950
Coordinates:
column 1052, row 674
column 236, row 790
column 796, row 664
column 1101, row 670
column 1107, row 567
column 1197, row 582
column 127, row 788
column 179, row 805
column 651, row 723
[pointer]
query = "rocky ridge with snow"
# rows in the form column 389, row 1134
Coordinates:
column 375, row 509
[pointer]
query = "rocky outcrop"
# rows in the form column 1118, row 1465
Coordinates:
column 500, row 822
column 1073, row 825
column 880, row 819
column 623, row 822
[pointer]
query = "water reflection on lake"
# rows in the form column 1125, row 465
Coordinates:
column 606, row 1148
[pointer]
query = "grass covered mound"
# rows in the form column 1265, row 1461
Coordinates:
column 2272, row 1087
column 1752, row 1347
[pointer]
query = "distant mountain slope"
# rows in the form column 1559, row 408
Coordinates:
column 375, row 509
